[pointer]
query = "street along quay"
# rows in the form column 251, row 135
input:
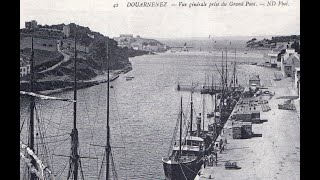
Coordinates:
column 270, row 148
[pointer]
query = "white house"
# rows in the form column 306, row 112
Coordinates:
column 254, row 80
column 24, row 67
column 288, row 52
column 289, row 61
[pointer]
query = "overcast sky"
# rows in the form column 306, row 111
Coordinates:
column 169, row 22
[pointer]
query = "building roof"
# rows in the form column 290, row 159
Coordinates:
column 273, row 55
column 293, row 59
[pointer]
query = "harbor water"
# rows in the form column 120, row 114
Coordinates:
column 143, row 113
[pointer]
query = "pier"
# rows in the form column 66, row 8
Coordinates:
column 200, row 87
column 273, row 150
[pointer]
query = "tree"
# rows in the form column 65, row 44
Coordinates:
column 296, row 46
column 279, row 55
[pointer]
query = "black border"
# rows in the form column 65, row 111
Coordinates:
column 11, row 103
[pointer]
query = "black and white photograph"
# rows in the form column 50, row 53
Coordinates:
column 159, row 90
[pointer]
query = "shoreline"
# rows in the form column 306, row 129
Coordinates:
column 81, row 84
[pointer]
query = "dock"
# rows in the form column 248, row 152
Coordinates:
column 199, row 87
column 273, row 151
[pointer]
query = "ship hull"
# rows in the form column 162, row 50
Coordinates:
column 182, row 171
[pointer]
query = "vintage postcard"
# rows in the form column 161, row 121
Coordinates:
column 167, row 89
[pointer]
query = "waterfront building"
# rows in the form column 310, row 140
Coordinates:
column 272, row 57
column 289, row 61
column 287, row 53
column 24, row 67
column 254, row 80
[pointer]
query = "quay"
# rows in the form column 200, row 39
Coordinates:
column 272, row 151
column 198, row 87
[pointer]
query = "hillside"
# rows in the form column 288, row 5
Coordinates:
column 139, row 43
column 277, row 42
column 53, row 55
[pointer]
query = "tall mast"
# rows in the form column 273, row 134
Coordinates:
column 211, row 84
column 180, row 140
column 205, row 80
column 222, row 75
column 108, row 147
column 234, row 71
column 203, row 116
column 191, row 115
column 74, row 159
column 32, row 105
column 226, row 79
column 215, row 109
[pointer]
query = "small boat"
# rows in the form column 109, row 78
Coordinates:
column 128, row 78
column 111, row 86
column 229, row 165
column 274, row 65
column 209, row 115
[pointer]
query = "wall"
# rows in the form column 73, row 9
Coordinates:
column 38, row 43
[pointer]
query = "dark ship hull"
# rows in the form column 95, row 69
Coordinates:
column 183, row 170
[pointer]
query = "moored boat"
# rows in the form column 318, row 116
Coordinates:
column 128, row 78
column 187, row 164
column 186, row 159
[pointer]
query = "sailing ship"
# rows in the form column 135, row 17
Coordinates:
column 186, row 159
column 36, row 160
column 224, row 101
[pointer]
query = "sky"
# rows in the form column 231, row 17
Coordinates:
column 166, row 22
